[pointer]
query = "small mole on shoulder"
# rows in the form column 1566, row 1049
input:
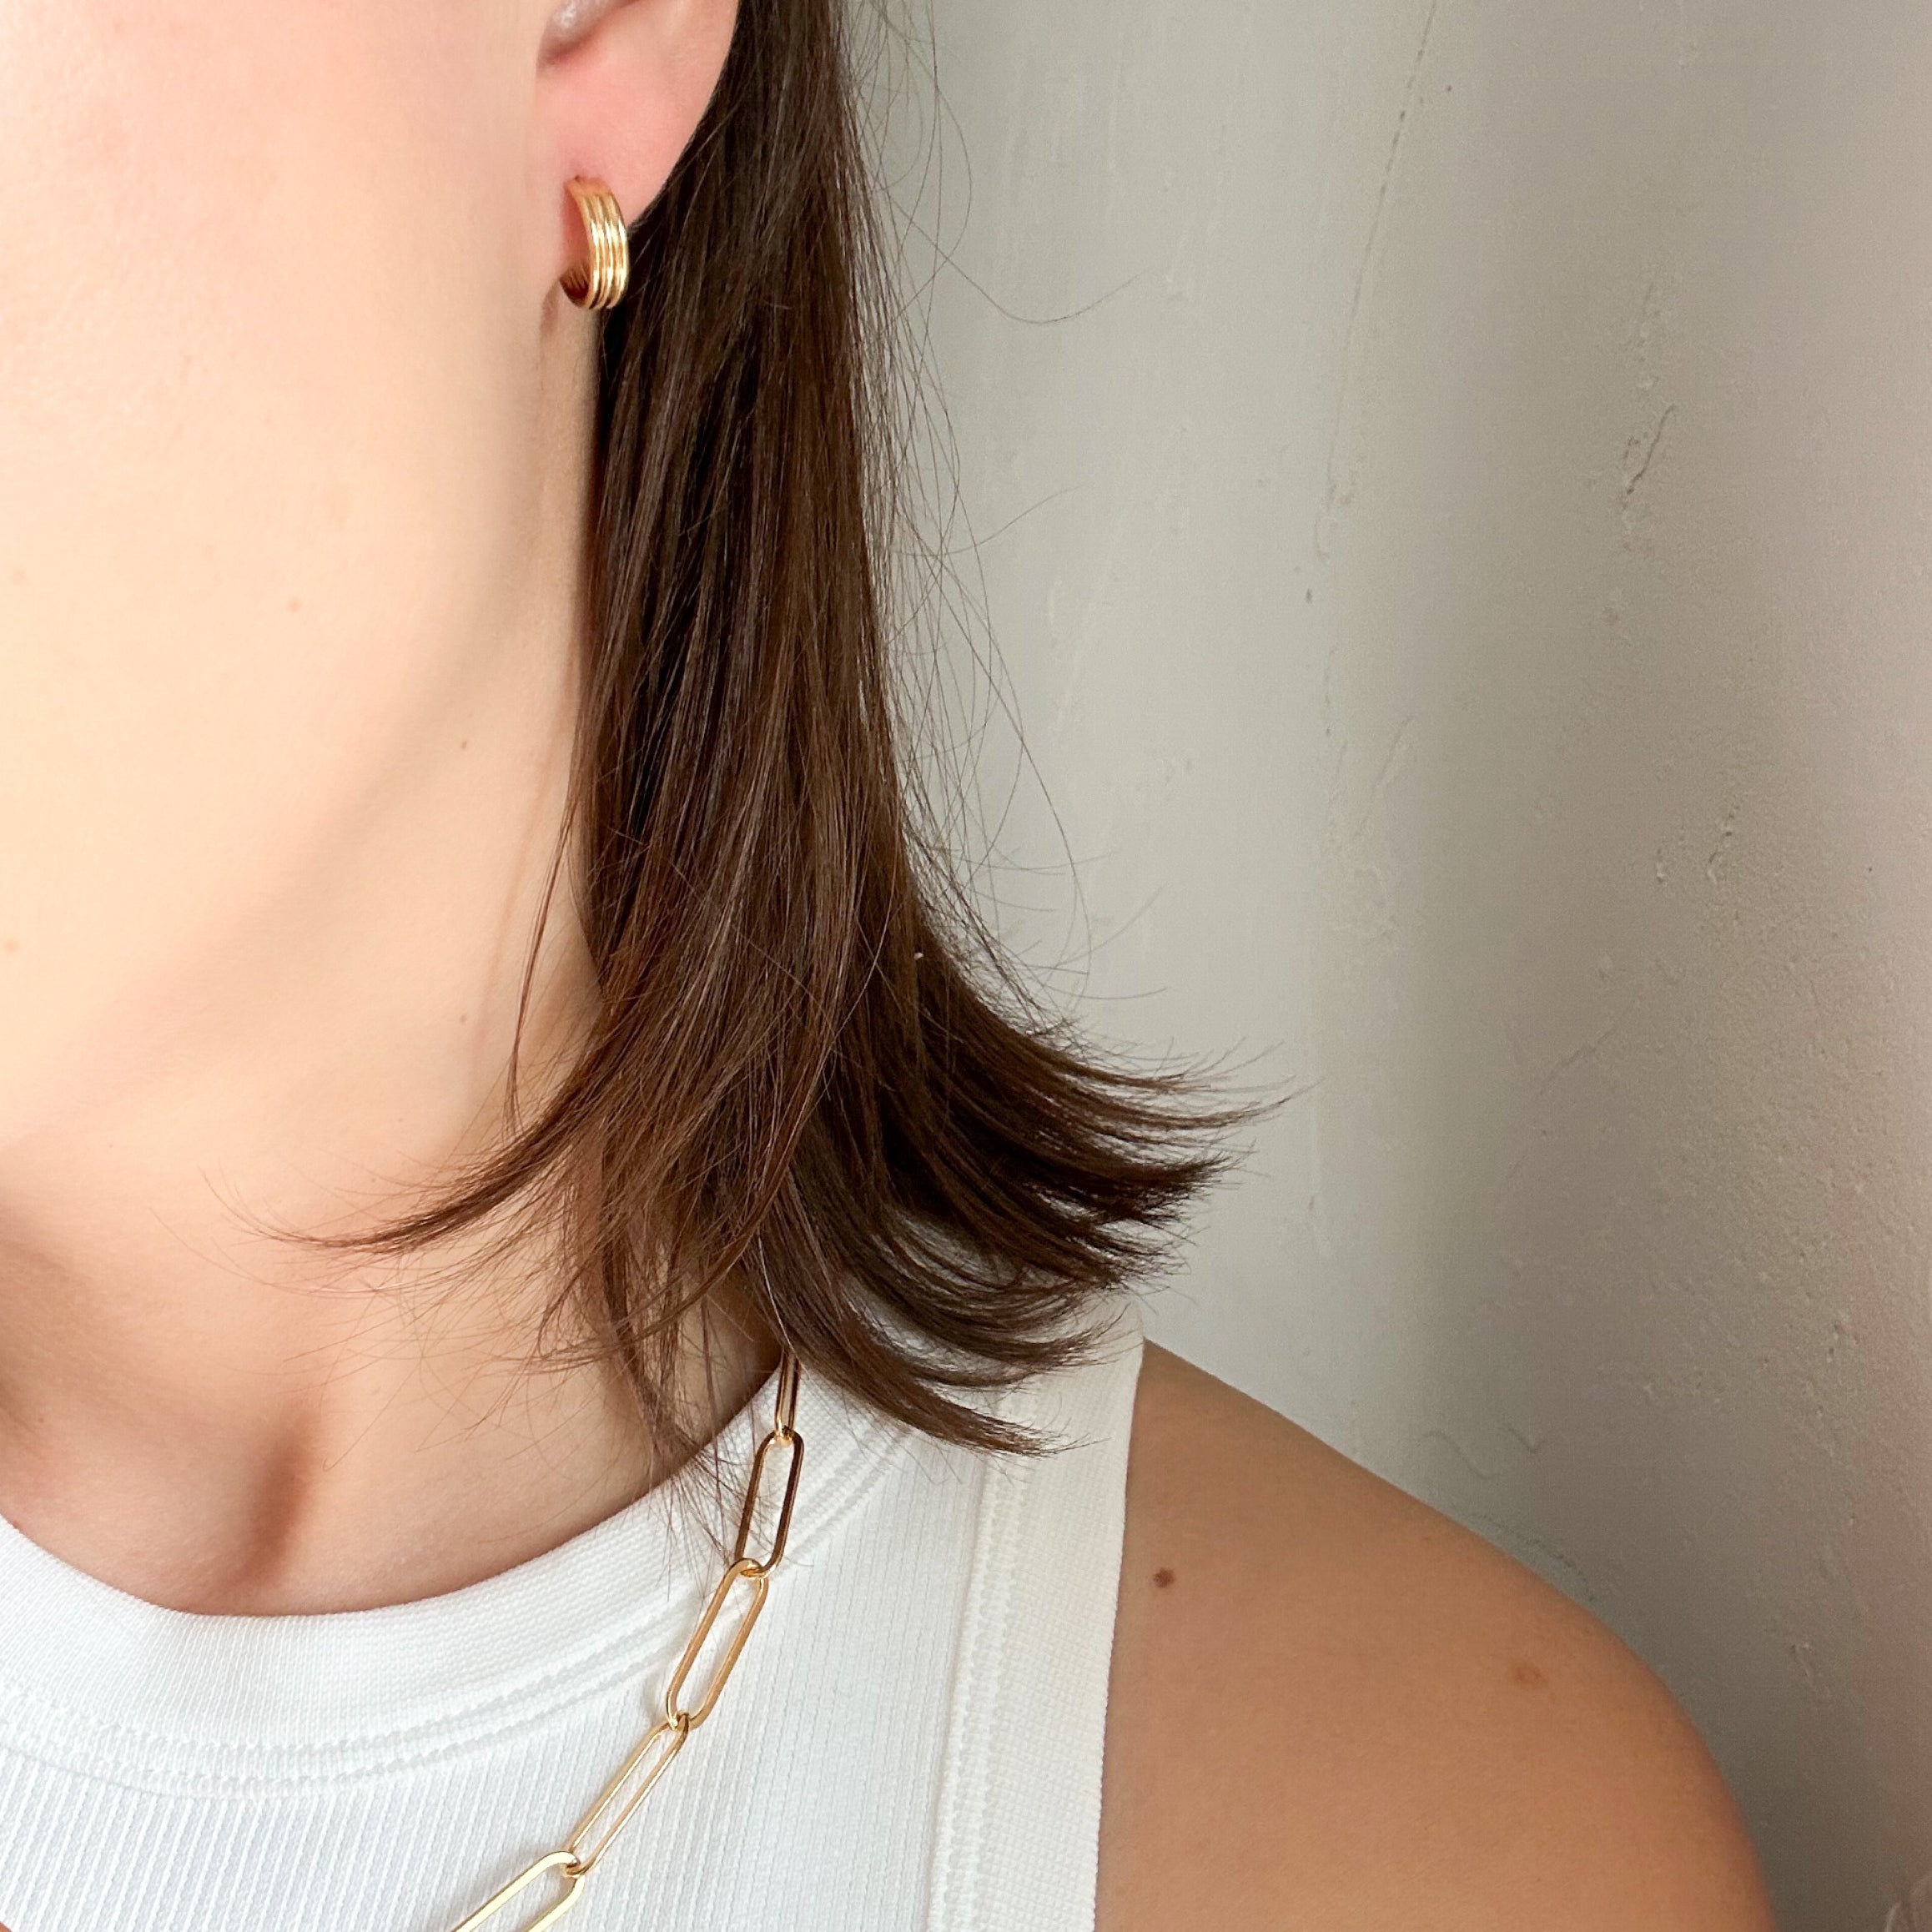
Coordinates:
column 1163, row 1579
column 1528, row 1677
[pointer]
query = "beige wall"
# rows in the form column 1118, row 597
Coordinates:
column 1461, row 561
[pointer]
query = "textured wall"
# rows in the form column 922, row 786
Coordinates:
column 1449, row 482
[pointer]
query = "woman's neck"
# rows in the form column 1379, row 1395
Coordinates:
column 215, row 1419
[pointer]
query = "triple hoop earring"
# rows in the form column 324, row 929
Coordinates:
column 599, row 283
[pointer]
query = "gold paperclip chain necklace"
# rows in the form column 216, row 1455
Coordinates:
column 741, row 1591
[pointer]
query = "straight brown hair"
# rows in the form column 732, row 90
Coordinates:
column 812, row 1076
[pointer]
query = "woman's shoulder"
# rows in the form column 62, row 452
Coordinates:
column 1332, row 1707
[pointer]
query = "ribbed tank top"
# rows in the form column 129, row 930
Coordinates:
column 912, row 1741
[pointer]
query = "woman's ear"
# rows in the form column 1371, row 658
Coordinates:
column 621, row 87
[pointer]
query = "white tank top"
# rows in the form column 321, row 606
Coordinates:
column 912, row 1741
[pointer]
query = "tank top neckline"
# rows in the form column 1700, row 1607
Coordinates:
column 104, row 1681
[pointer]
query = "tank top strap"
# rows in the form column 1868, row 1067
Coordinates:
column 1018, row 1842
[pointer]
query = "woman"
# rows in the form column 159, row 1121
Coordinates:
column 479, row 1027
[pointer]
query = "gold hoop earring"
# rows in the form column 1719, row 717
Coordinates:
column 599, row 283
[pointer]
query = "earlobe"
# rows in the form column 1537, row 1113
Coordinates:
column 621, row 90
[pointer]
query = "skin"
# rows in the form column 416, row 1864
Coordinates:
column 1334, row 1709
column 294, row 445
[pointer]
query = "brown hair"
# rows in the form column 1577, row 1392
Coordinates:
column 811, row 1074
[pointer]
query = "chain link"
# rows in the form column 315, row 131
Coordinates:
column 627, row 1791
column 556, row 1861
column 741, row 1591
